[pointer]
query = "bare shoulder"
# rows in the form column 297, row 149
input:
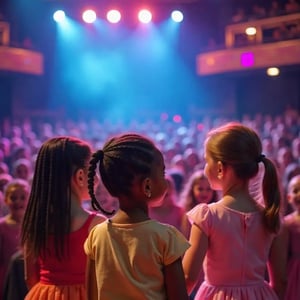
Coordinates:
column 98, row 218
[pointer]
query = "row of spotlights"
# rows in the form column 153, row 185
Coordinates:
column 114, row 16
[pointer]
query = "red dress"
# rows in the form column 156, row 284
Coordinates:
column 63, row 279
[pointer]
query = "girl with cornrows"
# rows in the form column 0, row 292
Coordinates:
column 131, row 256
column 55, row 224
column 238, row 237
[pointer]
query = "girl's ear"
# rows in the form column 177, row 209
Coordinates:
column 79, row 177
column 220, row 170
column 146, row 186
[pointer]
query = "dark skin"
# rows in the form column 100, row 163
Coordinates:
column 134, row 209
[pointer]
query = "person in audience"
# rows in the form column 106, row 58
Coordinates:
column 296, row 149
column 195, row 191
column 5, row 147
column 292, row 170
column 178, row 162
column 14, row 285
column 142, row 255
column 55, row 224
column 178, row 179
column 275, row 9
column 4, row 169
column 257, row 11
column 239, row 15
column 192, row 161
column 5, row 178
column 16, row 194
column 238, row 237
column 283, row 159
column 292, row 6
column 268, row 147
column 167, row 210
column 22, row 168
column 292, row 223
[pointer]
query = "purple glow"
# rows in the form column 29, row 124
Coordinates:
column 247, row 59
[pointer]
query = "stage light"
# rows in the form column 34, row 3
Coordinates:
column 59, row 16
column 145, row 16
column 273, row 71
column 177, row 16
column 89, row 16
column 113, row 16
column 250, row 31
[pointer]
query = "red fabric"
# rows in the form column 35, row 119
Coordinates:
column 70, row 270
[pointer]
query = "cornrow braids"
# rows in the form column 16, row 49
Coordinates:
column 124, row 158
column 96, row 157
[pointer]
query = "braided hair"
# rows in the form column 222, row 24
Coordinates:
column 122, row 159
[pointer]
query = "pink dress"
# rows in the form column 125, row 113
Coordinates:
column 64, row 279
column 293, row 286
column 9, row 244
column 235, row 262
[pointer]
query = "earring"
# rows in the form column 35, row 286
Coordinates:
column 149, row 194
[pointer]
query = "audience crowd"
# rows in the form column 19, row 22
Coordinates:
column 257, row 11
column 182, row 145
column 278, row 32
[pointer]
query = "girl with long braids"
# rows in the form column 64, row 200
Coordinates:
column 131, row 256
column 55, row 224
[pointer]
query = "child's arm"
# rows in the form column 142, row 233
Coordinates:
column 185, row 226
column 31, row 270
column 194, row 256
column 174, row 281
column 91, row 283
column 278, row 262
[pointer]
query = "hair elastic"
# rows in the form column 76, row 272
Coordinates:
column 99, row 154
column 260, row 158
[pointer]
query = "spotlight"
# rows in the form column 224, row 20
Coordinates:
column 177, row 16
column 145, row 16
column 113, row 16
column 89, row 16
column 250, row 31
column 273, row 71
column 59, row 16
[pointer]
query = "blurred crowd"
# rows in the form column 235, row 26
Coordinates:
column 181, row 144
column 257, row 11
